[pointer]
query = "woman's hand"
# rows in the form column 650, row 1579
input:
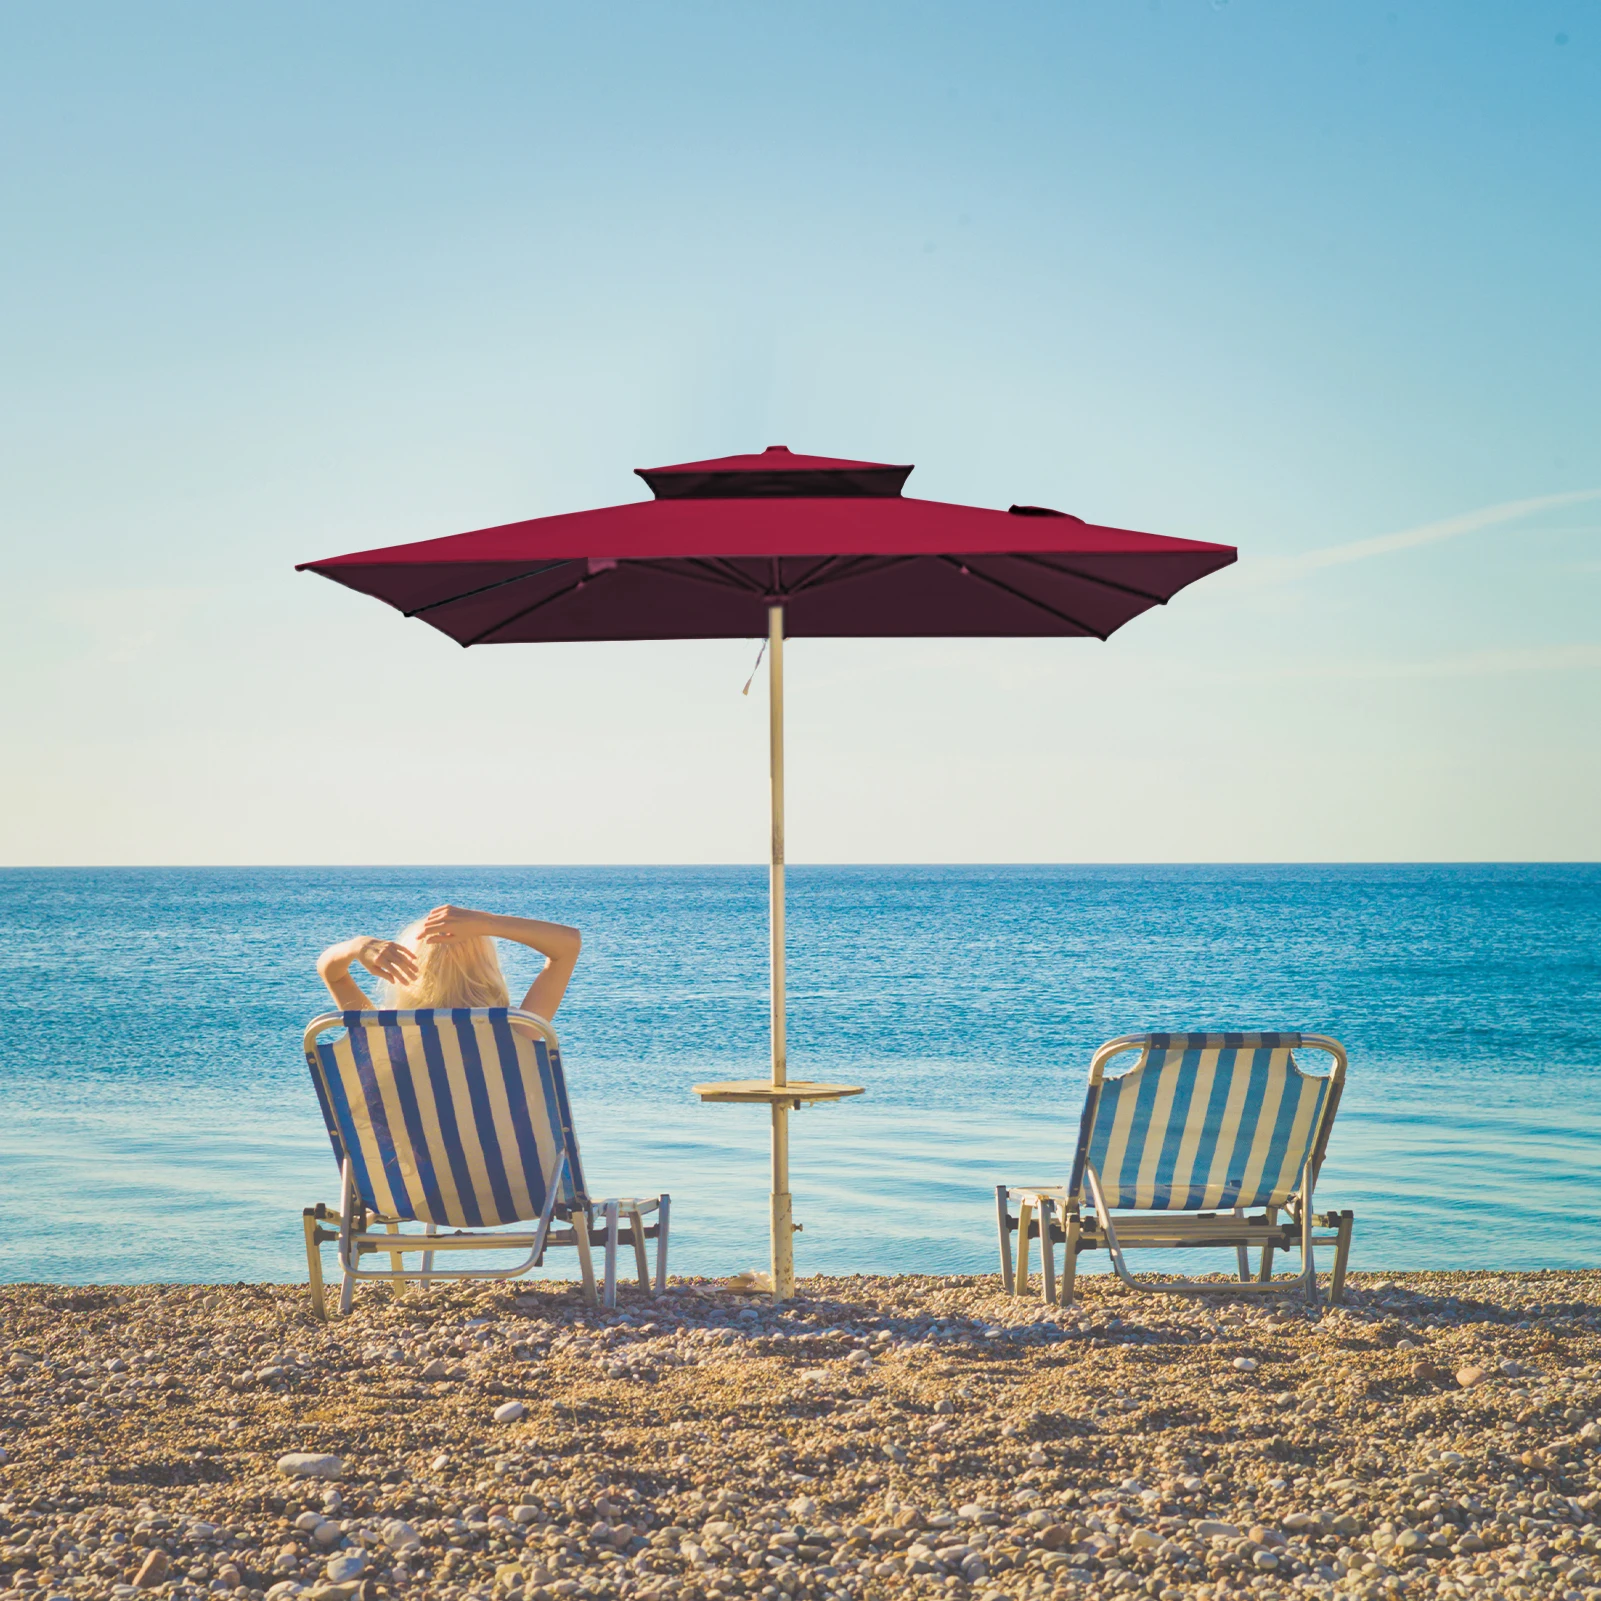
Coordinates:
column 381, row 957
column 386, row 959
column 455, row 922
column 557, row 943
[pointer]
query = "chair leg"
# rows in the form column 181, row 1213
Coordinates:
column 1025, row 1222
column 1070, row 1261
column 586, row 1262
column 1003, row 1217
column 1266, row 1275
column 1047, row 1255
column 636, row 1226
column 319, row 1305
column 428, row 1258
column 1242, row 1257
column 397, row 1264
column 1342, row 1250
column 609, row 1289
column 663, row 1205
column 347, row 1249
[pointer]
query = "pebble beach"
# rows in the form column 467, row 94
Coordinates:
column 928, row 1436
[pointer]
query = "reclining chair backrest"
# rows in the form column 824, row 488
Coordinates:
column 448, row 1117
column 1204, row 1121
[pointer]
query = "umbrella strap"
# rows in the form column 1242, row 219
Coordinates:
column 752, row 679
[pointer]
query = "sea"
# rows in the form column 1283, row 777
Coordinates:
column 159, row 1124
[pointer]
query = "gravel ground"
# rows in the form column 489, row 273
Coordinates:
column 1436, row 1437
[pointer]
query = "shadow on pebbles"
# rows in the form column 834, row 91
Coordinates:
column 1435, row 1437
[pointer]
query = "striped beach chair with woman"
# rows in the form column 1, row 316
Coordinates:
column 458, row 1120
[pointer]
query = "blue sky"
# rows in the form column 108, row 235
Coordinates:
column 283, row 281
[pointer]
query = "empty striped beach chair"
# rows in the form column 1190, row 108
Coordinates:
column 458, row 1121
column 1200, row 1130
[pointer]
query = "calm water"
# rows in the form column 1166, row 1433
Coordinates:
column 159, row 1124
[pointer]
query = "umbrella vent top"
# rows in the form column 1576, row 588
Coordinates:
column 774, row 472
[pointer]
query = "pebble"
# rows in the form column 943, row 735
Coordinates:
column 345, row 1567
column 401, row 1537
column 311, row 1465
column 1467, row 1377
column 510, row 1412
column 153, row 1570
column 1246, row 1364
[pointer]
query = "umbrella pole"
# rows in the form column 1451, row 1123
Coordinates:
column 783, row 1232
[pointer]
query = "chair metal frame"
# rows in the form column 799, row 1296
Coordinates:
column 1176, row 1230
column 362, row 1231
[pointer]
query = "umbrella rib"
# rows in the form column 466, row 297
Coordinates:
column 1061, row 616
column 852, row 565
column 743, row 580
column 728, row 577
column 1088, row 578
column 808, row 579
column 518, row 616
column 680, row 567
column 482, row 589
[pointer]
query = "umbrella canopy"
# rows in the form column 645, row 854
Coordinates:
column 834, row 542
column 785, row 545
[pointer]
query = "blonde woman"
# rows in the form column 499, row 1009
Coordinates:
column 448, row 959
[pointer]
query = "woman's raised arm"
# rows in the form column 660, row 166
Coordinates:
column 556, row 942
column 383, row 958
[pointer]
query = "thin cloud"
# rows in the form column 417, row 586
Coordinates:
column 1426, row 534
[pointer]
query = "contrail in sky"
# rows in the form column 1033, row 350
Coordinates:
column 1427, row 534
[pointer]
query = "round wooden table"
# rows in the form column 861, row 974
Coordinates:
column 763, row 1092
column 780, row 1100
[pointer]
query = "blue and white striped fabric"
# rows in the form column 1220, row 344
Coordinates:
column 449, row 1117
column 1202, row 1121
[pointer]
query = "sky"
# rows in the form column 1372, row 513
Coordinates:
column 1315, row 280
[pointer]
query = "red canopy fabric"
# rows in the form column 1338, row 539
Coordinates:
column 833, row 541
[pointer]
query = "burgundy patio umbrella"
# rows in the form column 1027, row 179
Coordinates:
column 789, row 546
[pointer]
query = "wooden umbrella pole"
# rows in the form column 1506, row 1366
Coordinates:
column 783, row 1231
column 777, row 1093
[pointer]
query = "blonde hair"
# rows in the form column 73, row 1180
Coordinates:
column 453, row 972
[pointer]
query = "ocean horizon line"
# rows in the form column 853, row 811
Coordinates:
column 792, row 865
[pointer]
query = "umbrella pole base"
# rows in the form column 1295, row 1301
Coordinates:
column 783, row 1247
